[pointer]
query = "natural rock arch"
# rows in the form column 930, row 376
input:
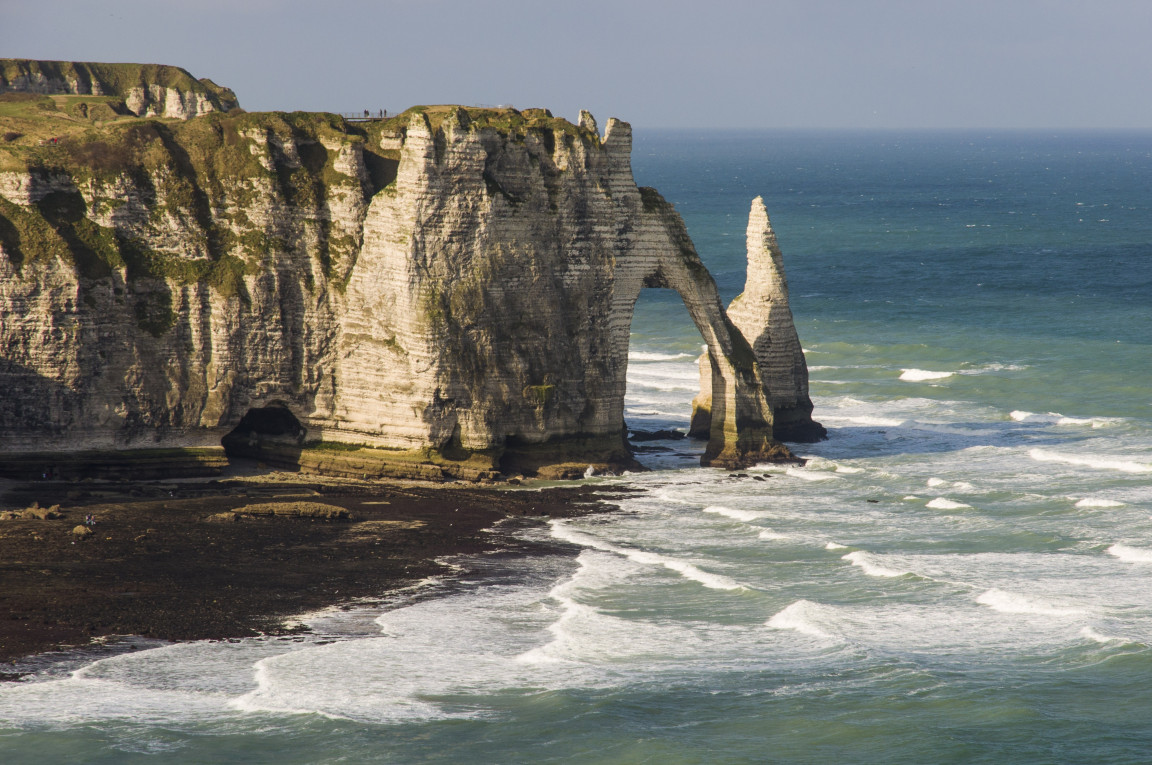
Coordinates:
column 473, row 312
column 491, row 302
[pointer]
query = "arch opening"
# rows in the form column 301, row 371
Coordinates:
column 663, row 377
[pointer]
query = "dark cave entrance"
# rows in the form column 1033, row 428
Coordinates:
column 265, row 432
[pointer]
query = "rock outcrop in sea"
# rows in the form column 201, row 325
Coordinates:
column 447, row 293
column 762, row 314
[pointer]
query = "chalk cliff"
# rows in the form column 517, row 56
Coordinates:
column 151, row 90
column 762, row 314
column 447, row 293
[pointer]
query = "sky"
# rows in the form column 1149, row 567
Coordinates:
column 842, row 64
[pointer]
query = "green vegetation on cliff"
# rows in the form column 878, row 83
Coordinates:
column 151, row 203
column 204, row 175
column 100, row 79
column 503, row 119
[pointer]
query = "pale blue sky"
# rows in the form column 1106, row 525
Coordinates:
column 707, row 63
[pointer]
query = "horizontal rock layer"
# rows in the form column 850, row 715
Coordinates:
column 453, row 283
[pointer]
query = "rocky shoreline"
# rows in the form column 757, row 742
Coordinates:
column 237, row 556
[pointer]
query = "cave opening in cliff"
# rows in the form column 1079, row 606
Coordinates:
column 265, row 432
column 663, row 374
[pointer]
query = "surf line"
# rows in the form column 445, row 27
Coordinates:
column 563, row 532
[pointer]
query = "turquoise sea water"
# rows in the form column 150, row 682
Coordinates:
column 962, row 573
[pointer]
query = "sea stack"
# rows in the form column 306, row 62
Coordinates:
column 763, row 316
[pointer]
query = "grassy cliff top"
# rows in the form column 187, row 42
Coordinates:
column 93, row 78
column 86, row 135
column 504, row 119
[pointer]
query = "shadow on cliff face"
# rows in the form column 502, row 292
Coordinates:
column 30, row 402
column 263, row 426
column 381, row 171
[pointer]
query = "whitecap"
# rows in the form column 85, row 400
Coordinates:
column 881, row 422
column 1055, row 418
column 946, row 504
column 849, row 470
column 734, row 514
column 799, row 617
column 1130, row 554
column 1095, row 422
column 934, row 482
column 1013, row 603
column 922, row 375
column 1100, row 637
column 809, row 475
column 995, row 367
column 1100, row 463
column 871, row 566
column 687, row 570
column 835, row 546
column 648, row 356
column 1092, row 502
column 772, row 535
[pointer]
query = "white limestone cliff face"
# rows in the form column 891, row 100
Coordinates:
column 762, row 314
column 496, row 286
column 478, row 304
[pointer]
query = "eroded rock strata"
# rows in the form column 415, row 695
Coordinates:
column 452, row 288
column 762, row 314
column 142, row 90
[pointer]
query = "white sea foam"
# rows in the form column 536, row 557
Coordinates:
column 849, row 470
column 868, row 420
column 733, row 513
column 1100, row 463
column 1095, row 422
column 946, row 504
column 687, row 570
column 1055, row 418
column 801, row 617
column 810, row 475
column 1130, row 554
column 922, row 375
column 1100, row 637
column 1092, row 502
column 994, row 367
column 1014, row 603
column 871, row 565
column 934, row 482
column 647, row 356
column 581, row 631
column 835, row 546
column 772, row 535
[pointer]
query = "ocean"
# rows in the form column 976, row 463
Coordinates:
column 961, row 573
